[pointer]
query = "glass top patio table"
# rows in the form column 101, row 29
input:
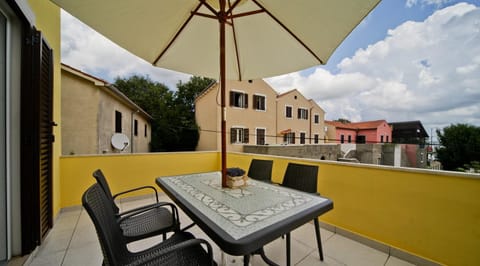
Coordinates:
column 242, row 220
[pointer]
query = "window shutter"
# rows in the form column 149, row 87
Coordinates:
column 246, row 100
column 232, row 98
column 299, row 113
column 245, row 135
column 293, row 138
column 255, row 102
column 233, row 135
column 36, row 140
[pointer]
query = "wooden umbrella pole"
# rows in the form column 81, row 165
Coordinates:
column 222, row 20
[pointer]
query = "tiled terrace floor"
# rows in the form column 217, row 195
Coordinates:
column 73, row 241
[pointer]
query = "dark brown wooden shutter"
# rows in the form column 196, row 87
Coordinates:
column 299, row 113
column 293, row 138
column 36, row 140
column 233, row 135
column 232, row 98
column 246, row 100
column 245, row 135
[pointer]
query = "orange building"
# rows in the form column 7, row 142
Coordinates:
column 377, row 131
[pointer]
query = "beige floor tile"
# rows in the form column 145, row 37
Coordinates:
column 56, row 241
column 86, row 255
column 306, row 235
column 394, row 261
column 49, row 259
column 84, row 236
column 144, row 243
column 314, row 260
column 350, row 252
column 276, row 251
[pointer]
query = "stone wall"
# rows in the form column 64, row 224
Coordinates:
column 323, row 152
column 399, row 155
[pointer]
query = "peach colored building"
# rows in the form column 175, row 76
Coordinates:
column 377, row 131
column 300, row 120
column 255, row 115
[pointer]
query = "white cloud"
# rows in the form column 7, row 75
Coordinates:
column 438, row 3
column 92, row 53
column 427, row 71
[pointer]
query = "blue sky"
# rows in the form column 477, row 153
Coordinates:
column 408, row 60
column 387, row 15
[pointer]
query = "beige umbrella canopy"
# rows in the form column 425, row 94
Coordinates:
column 225, row 39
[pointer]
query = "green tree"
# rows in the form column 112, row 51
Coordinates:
column 156, row 99
column 459, row 146
column 173, row 126
column 185, row 126
column 343, row 120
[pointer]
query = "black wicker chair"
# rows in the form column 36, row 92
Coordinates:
column 303, row 177
column 260, row 170
column 180, row 249
column 144, row 221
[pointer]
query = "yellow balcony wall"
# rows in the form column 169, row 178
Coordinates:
column 430, row 214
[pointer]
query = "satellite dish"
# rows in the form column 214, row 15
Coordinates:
column 120, row 141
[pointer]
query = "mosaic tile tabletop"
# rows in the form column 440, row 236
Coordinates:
column 240, row 211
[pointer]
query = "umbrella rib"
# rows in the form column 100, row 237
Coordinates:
column 235, row 39
column 289, row 31
column 177, row 34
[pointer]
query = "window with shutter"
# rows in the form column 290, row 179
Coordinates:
column 238, row 99
column 259, row 102
column 288, row 111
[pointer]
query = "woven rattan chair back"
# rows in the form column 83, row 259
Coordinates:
column 260, row 170
column 111, row 239
column 102, row 181
column 301, row 177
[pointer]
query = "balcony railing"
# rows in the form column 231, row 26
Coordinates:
column 431, row 216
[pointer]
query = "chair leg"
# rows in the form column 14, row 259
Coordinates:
column 288, row 249
column 319, row 239
column 246, row 260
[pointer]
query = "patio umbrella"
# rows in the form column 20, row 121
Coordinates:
column 225, row 39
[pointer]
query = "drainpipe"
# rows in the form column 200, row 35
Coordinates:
column 310, row 133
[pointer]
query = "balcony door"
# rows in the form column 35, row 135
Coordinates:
column 36, row 140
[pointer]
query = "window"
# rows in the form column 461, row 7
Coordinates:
column 302, row 137
column 238, row 99
column 118, row 122
column 387, row 138
column 315, row 138
column 381, row 138
column 302, row 113
column 342, row 138
column 289, row 138
column 260, row 136
column 316, row 118
column 259, row 102
column 135, row 127
column 361, row 139
column 145, row 130
column 288, row 111
column 349, row 138
column 239, row 135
